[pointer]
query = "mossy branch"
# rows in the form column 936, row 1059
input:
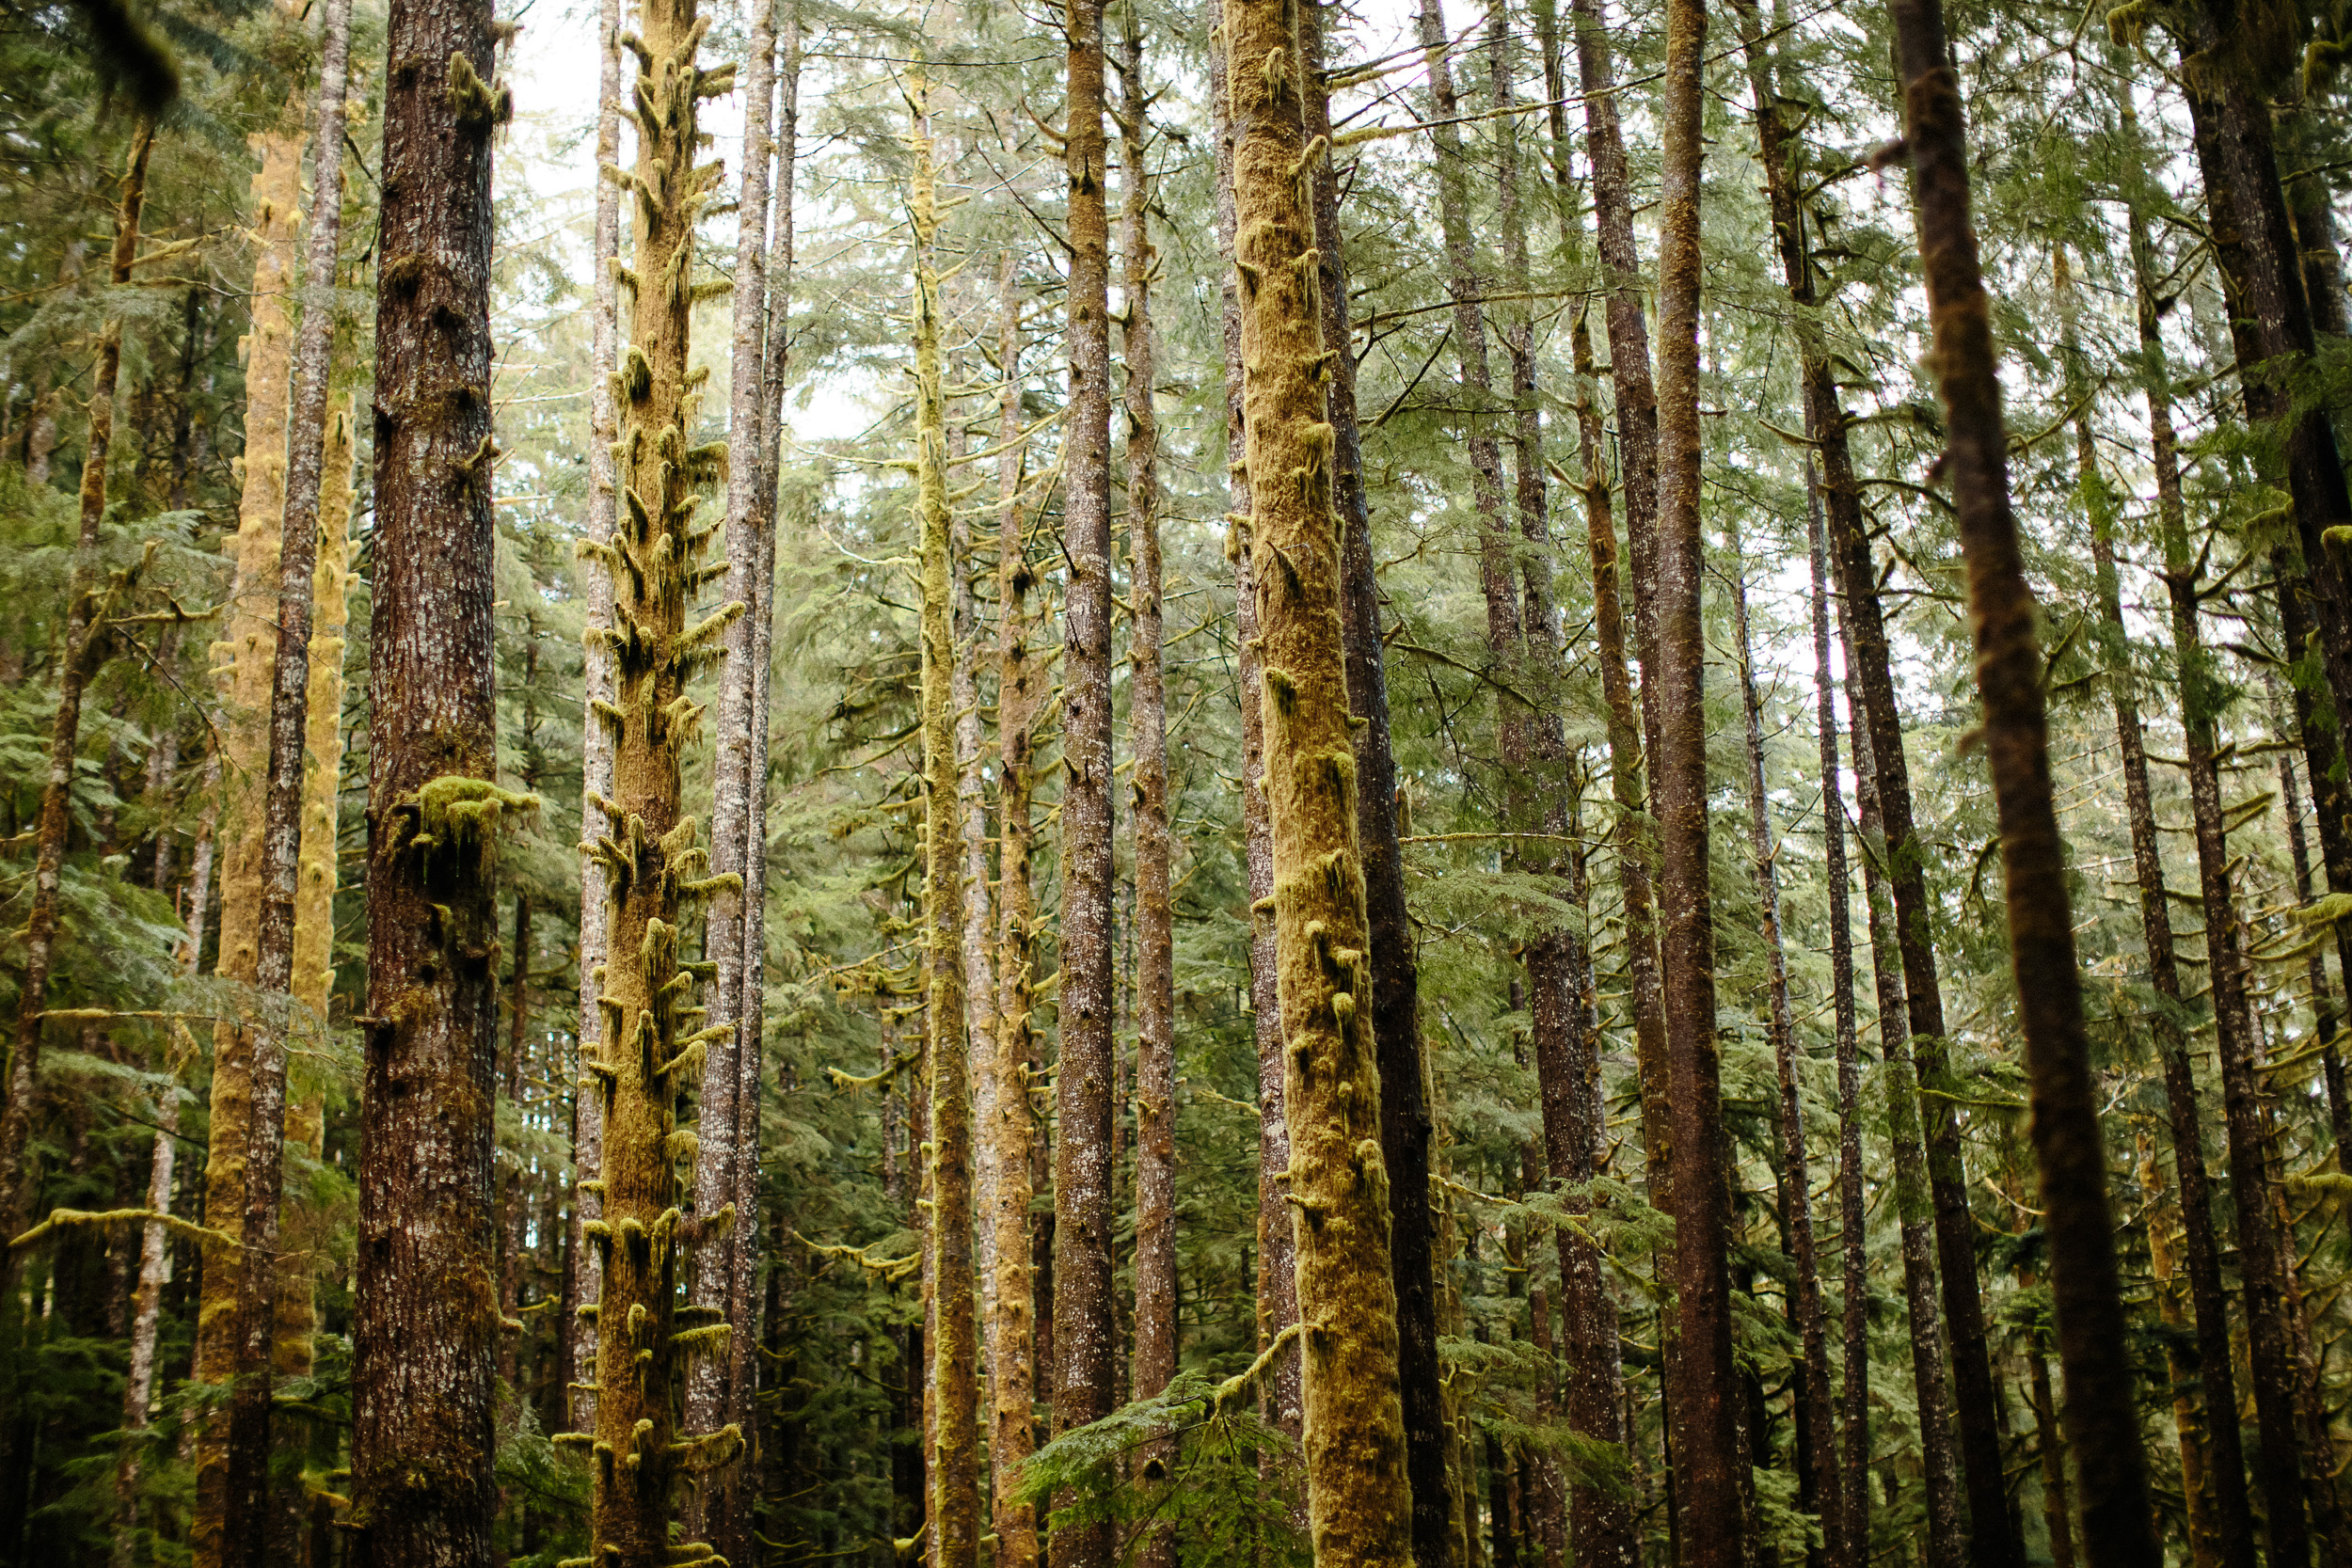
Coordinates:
column 62, row 1220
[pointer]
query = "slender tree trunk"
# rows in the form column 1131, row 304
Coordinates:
column 139, row 1383
column 1930, row 1394
column 2222, row 1464
column 2270, row 316
column 1818, row 1464
column 734, row 1533
column 2269, row 1357
column 1359, row 1501
column 1703, row 1383
column 597, row 686
column 2051, row 1449
column 725, row 1120
column 1085, row 1314
column 423, row 1331
column 954, row 1371
column 1853, row 1239
column 1278, row 1277
column 1155, row 1348
column 2180, row 1365
column 2119, row 1526
column 1636, row 397
column 246, row 1527
column 1006, row 1133
column 89, row 640
column 2323, row 1004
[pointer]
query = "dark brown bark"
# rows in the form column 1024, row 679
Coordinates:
column 2270, row 316
column 424, row 1321
column 1944, row 1546
column 1853, row 1239
column 2223, row 1461
column 1085, row 1314
column 1635, row 406
column 1817, row 1427
column 1436, row 1530
column 1406, row 1126
column 1704, row 1382
column 2101, row 1418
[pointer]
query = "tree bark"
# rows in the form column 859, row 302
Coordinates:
column 597, row 686
column 424, row 1327
column 1155, row 1271
column 725, row 1122
column 954, row 1373
column 2180, row 1367
column 1006, row 1137
column 2224, row 1506
column 1703, row 1382
column 1854, row 1237
column 1819, row 1461
column 2270, row 316
column 1360, row 1502
column 1277, row 1275
column 245, row 1524
column 1930, row 1394
column 246, row 669
column 2119, row 1526
column 1085, row 1314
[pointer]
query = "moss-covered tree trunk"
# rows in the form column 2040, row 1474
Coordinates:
column 2181, row 1362
column 425, row 1323
column 1086, row 1317
column 653, row 1038
column 1853, row 1214
column 1406, row 1127
column 1358, row 1497
column 595, row 750
column 1278, row 1274
column 2102, row 1420
column 1156, row 1273
column 953, row 1374
column 247, row 1522
column 1006, row 1140
column 245, row 661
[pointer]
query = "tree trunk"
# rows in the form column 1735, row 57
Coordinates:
column 954, row 1344
column 1155, row 1348
column 2119, row 1526
column 1278, row 1276
column 1817, row 1465
column 1703, row 1383
column 1852, row 1226
column 1931, row 1397
column 247, row 671
column 596, row 748
column 2225, row 1505
column 1435, row 1525
column 1360, row 1502
column 139, row 1383
column 1086, row 1322
column 2180, row 1367
column 424, row 1329
column 89, row 640
column 2270, row 316
column 734, row 1535
column 727, row 1123
column 2324, row 1022
column 1005, row 1135
column 245, row 1522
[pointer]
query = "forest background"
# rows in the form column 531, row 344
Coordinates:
column 1896, row 1392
